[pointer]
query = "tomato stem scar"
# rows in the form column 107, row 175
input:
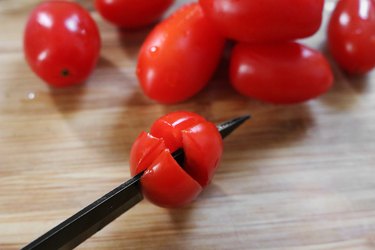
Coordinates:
column 65, row 72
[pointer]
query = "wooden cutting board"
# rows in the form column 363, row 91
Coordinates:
column 294, row 177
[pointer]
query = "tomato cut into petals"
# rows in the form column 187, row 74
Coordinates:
column 164, row 181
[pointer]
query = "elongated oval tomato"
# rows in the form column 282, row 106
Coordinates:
column 279, row 73
column 351, row 35
column 132, row 13
column 264, row 20
column 61, row 43
column 179, row 56
column 165, row 182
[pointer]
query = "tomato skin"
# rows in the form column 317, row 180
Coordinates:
column 143, row 152
column 132, row 14
column 264, row 20
column 164, row 182
column 283, row 73
column 61, row 43
column 170, row 126
column 203, row 148
column 179, row 56
column 351, row 35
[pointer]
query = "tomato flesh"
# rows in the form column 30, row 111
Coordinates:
column 144, row 150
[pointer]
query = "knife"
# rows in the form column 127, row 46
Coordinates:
column 82, row 225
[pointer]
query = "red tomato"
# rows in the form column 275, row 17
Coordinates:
column 132, row 13
column 61, row 43
column 351, row 35
column 165, row 182
column 279, row 73
column 264, row 20
column 179, row 56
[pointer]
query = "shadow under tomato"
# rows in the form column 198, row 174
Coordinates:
column 212, row 191
column 132, row 40
column 359, row 83
column 80, row 97
column 218, row 90
column 346, row 89
column 270, row 127
column 180, row 216
column 68, row 99
column 96, row 111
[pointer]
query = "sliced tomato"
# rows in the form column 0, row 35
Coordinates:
column 143, row 152
column 169, row 128
column 203, row 148
column 165, row 182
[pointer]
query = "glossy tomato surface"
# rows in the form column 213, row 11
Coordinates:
column 132, row 14
column 351, row 35
column 280, row 73
column 165, row 182
column 61, row 43
column 179, row 56
column 264, row 20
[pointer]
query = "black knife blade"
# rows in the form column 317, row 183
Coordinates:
column 82, row 225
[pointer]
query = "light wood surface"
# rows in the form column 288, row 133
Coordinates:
column 295, row 177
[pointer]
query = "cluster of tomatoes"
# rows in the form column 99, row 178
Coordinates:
column 62, row 44
column 181, row 53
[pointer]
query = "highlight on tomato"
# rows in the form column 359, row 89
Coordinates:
column 264, row 20
column 61, row 43
column 179, row 56
column 132, row 14
column 282, row 73
column 351, row 35
column 165, row 182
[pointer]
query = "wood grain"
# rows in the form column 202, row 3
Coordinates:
column 295, row 177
